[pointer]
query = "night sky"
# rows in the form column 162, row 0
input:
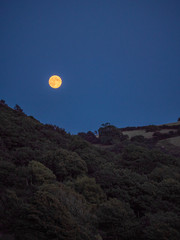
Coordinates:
column 119, row 61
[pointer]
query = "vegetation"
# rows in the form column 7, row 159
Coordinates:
column 59, row 186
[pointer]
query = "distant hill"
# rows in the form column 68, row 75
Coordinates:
column 170, row 133
column 166, row 136
column 148, row 131
column 123, row 185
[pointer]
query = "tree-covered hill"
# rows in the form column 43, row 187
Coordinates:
column 54, row 185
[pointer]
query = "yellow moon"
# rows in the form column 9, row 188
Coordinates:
column 55, row 81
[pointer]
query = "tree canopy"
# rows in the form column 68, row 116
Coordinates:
column 55, row 185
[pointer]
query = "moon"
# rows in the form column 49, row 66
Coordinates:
column 55, row 81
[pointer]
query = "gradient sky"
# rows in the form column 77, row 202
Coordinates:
column 119, row 61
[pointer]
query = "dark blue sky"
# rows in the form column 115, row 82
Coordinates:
column 119, row 61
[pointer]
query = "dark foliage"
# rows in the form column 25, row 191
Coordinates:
column 89, row 136
column 18, row 108
column 57, row 186
column 109, row 134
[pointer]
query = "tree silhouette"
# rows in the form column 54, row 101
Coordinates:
column 18, row 108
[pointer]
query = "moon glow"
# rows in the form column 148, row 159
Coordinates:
column 55, row 81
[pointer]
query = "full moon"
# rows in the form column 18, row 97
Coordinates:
column 55, row 81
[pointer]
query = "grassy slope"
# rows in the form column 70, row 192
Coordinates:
column 175, row 140
column 134, row 133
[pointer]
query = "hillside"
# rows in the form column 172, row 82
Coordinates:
column 165, row 131
column 120, row 186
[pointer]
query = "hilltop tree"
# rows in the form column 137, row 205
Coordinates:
column 109, row 134
column 2, row 102
column 105, row 124
column 89, row 136
column 18, row 108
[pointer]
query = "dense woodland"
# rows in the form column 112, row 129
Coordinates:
column 54, row 185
